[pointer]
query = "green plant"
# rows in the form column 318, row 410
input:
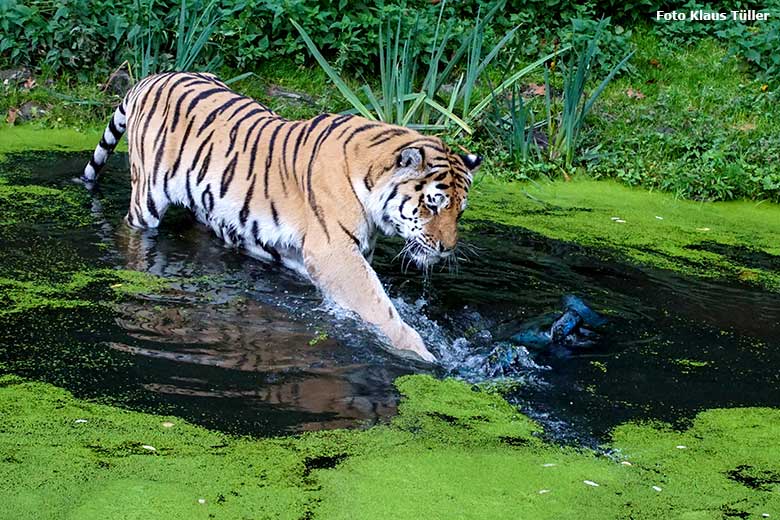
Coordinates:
column 757, row 44
column 614, row 41
column 145, row 42
column 511, row 124
column 399, row 101
column 564, row 131
column 54, row 35
column 405, row 98
column 692, row 121
column 84, row 36
column 193, row 28
column 193, row 32
column 574, row 24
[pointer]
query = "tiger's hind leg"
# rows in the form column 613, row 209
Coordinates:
column 148, row 203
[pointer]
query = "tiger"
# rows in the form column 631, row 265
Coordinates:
column 309, row 195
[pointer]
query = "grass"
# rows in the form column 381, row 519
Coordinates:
column 64, row 103
column 698, row 125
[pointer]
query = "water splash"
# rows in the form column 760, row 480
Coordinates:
column 476, row 359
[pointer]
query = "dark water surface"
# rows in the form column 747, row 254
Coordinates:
column 237, row 344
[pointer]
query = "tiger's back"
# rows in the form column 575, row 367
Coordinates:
column 236, row 164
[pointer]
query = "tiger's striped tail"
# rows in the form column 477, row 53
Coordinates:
column 113, row 132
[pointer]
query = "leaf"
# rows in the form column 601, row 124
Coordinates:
column 482, row 105
column 448, row 114
column 418, row 100
column 634, row 94
column 753, row 55
column 238, row 78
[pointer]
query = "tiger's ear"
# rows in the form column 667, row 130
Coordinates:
column 471, row 161
column 411, row 157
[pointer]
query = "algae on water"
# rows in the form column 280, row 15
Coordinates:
column 737, row 241
column 19, row 139
column 451, row 452
column 36, row 272
column 23, row 296
column 62, row 207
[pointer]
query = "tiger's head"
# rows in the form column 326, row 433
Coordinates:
column 424, row 197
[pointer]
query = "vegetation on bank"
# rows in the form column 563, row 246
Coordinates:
column 690, row 113
column 690, row 119
column 451, row 451
column 84, row 36
column 692, row 122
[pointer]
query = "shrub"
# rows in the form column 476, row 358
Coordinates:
column 54, row 36
column 757, row 45
column 85, row 35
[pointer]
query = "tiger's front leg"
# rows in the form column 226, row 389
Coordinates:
column 341, row 272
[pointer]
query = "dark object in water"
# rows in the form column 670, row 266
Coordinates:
column 568, row 330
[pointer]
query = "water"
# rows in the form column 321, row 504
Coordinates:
column 246, row 348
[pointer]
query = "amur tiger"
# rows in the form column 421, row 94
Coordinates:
column 309, row 195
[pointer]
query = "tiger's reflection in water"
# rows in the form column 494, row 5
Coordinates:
column 235, row 330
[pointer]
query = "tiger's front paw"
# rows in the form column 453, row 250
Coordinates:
column 412, row 342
